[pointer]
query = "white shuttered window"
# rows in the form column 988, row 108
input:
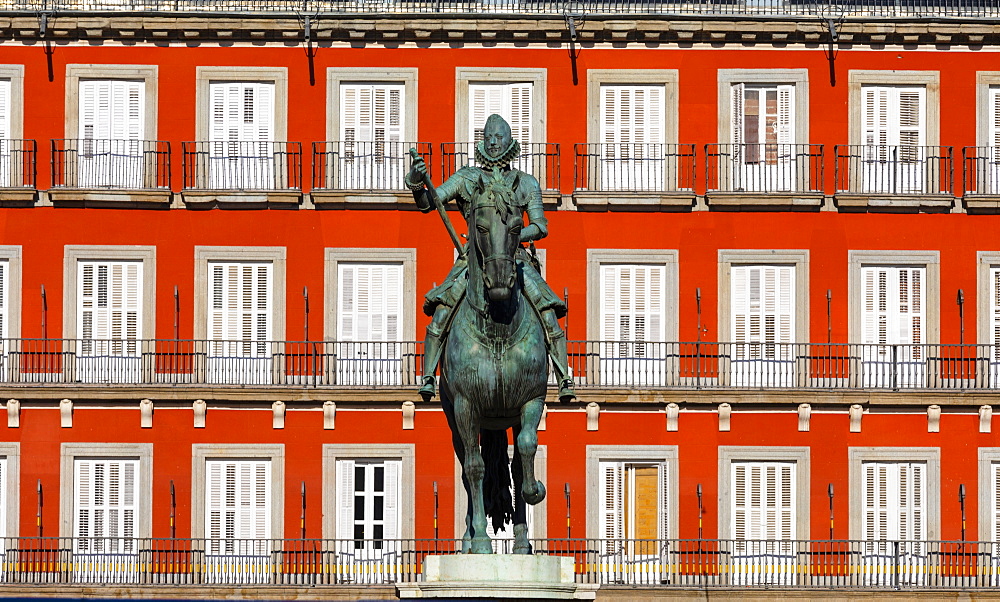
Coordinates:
column 994, row 311
column 632, row 302
column 5, row 132
column 242, row 111
column 3, row 499
column 112, row 109
column 893, row 311
column 369, row 501
column 995, row 501
column 632, row 114
column 371, row 301
column 634, row 503
column 238, row 500
column 763, row 303
column 106, row 494
column 894, row 115
column 241, row 298
column 511, row 101
column 994, row 117
column 763, row 114
column 371, row 112
column 109, row 299
column 763, row 505
column 894, row 498
column 5, row 109
column 4, row 299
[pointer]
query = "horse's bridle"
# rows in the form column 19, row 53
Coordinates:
column 494, row 256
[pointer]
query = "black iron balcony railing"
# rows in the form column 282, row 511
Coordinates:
column 114, row 164
column 764, row 168
column 653, row 563
column 894, row 169
column 789, row 8
column 594, row 364
column 981, row 170
column 540, row 159
column 638, row 167
column 17, row 163
column 243, row 165
column 353, row 165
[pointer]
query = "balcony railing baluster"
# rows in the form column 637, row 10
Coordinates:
column 259, row 165
column 634, row 167
column 112, row 164
column 649, row 563
column 969, row 9
column 354, row 165
column 594, row 364
column 764, row 168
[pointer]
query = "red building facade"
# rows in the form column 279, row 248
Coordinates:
column 806, row 220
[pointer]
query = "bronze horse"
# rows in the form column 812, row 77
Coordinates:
column 494, row 372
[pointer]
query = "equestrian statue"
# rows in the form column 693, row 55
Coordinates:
column 494, row 329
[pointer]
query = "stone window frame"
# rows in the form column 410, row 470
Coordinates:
column 856, row 456
column 149, row 74
column 203, row 255
column 984, row 81
column 931, row 80
column 596, row 454
column 205, row 75
column 987, row 457
column 539, row 511
column 931, row 260
column 405, row 452
column 984, row 292
column 797, row 77
column 334, row 256
column 668, row 78
column 669, row 258
column 202, row 452
column 753, row 453
column 507, row 75
column 15, row 73
column 12, row 255
column 799, row 258
column 70, row 451
column 11, row 450
column 73, row 254
column 336, row 76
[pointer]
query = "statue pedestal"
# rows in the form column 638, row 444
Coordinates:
column 521, row 576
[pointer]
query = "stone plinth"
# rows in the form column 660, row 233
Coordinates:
column 491, row 576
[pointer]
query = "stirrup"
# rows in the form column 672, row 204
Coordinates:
column 566, row 392
column 427, row 390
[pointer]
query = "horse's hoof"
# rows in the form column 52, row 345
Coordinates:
column 522, row 549
column 536, row 496
column 481, row 545
column 466, row 545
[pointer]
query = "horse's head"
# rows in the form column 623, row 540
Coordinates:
column 496, row 229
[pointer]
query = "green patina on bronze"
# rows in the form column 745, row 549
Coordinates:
column 494, row 329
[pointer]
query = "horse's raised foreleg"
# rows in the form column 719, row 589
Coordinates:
column 473, row 470
column 521, row 543
column 527, row 445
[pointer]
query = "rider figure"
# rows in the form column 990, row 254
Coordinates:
column 495, row 151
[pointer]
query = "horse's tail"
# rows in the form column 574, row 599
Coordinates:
column 496, row 482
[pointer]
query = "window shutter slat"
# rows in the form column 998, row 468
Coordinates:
column 391, row 509
column 345, row 483
column 5, row 109
column 612, row 502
